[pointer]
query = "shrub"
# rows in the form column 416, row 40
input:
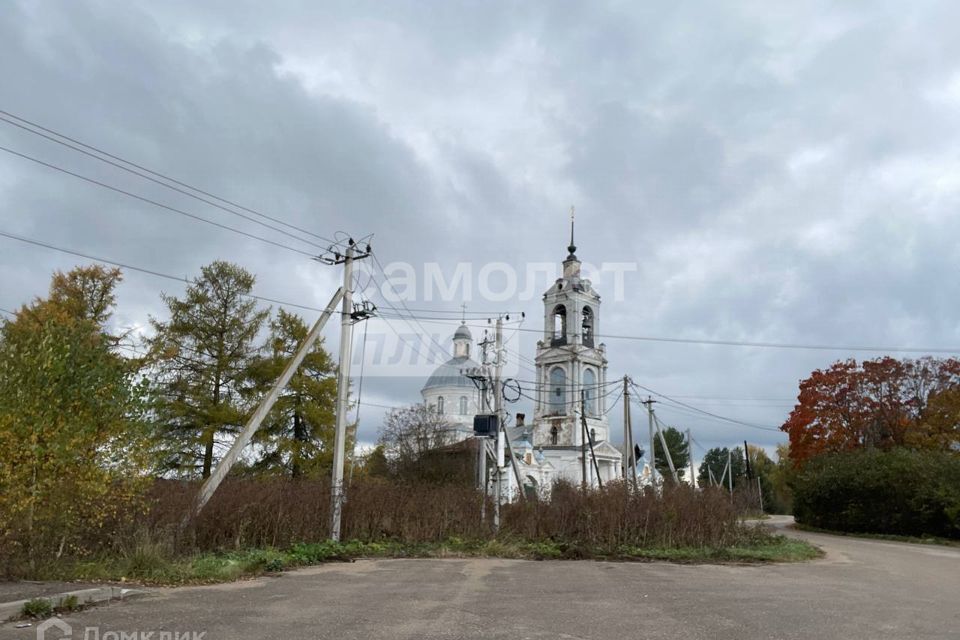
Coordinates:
column 900, row 492
column 249, row 519
column 37, row 608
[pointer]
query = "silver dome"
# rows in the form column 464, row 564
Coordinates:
column 448, row 374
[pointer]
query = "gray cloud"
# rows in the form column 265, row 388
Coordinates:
column 783, row 174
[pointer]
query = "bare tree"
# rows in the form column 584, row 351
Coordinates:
column 413, row 439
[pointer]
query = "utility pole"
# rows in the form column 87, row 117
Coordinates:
column 501, row 414
column 693, row 478
column 666, row 453
column 498, row 410
column 653, row 466
column 583, row 450
column 629, row 454
column 343, row 384
column 730, row 471
column 589, row 438
column 223, row 468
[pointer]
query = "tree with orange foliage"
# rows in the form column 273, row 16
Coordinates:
column 881, row 403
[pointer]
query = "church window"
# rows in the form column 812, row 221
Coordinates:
column 590, row 392
column 558, row 390
column 587, row 326
column 559, row 323
column 554, row 434
column 463, row 405
column 593, row 435
column 440, row 404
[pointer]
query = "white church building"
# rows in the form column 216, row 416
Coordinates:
column 571, row 373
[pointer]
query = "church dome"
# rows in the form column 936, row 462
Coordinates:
column 463, row 333
column 448, row 374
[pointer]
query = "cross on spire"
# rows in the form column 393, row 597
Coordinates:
column 463, row 307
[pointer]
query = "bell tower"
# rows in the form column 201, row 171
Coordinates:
column 571, row 364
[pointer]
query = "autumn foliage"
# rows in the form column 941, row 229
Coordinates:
column 882, row 403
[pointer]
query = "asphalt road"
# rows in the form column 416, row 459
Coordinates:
column 862, row 589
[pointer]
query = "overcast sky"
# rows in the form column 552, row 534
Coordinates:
column 777, row 172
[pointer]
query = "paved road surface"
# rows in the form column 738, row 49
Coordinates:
column 862, row 589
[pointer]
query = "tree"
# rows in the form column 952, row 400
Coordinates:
column 900, row 491
column 297, row 436
column 203, row 356
column 72, row 441
column 86, row 293
column 880, row 403
column 939, row 428
column 679, row 450
column 415, row 443
column 715, row 460
column 375, row 464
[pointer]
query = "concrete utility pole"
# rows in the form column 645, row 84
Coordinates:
column 693, row 478
column 501, row 357
column 589, row 438
column 666, row 453
column 583, row 449
column 343, row 388
column 629, row 455
column 730, row 470
column 210, row 484
column 653, row 457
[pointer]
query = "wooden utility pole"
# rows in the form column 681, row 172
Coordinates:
column 693, row 478
column 343, row 387
column 210, row 485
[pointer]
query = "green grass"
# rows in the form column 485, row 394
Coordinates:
column 150, row 565
column 946, row 542
column 38, row 608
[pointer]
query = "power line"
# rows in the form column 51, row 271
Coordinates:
column 698, row 410
column 164, row 184
column 735, row 343
column 376, row 261
column 146, row 271
column 155, row 203
column 150, row 171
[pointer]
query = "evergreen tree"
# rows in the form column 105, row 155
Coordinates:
column 716, row 460
column 203, row 355
column 297, row 436
column 679, row 452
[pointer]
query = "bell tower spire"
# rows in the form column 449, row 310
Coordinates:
column 572, row 248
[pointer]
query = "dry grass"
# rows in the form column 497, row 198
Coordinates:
column 405, row 519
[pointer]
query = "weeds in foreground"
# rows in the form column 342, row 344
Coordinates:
column 238, row 564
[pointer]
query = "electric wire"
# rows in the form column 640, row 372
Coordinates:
column 735, row 343
column 151, row 272
column 141, row 168
column 168, row 186
column 157, row 204
column 376, row 261
column 701, row 411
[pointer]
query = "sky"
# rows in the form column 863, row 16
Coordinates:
column 749, row 171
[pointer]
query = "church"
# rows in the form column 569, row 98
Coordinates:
column 571, row 375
